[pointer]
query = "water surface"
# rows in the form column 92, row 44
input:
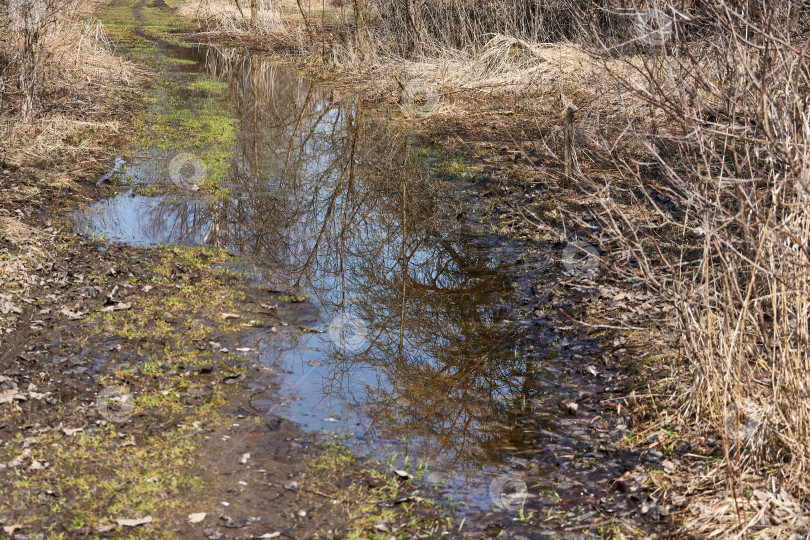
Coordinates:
column 415, row 352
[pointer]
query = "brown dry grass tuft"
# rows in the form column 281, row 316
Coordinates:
column 235, row 17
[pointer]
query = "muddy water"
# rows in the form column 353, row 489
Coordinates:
column 411, row 351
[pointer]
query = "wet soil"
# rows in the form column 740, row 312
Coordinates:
column 512, row 417
column 191, row 402
column 164, row 330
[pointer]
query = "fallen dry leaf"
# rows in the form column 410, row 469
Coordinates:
column 226, row 316
column 120, row 306
column 133, row 522
column 405, row 475
column 72, row 315
column 196, row 517
column 71, row 431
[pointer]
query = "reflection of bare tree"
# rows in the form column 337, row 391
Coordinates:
column 150, row 220
column 330, row 201
column 449, row 365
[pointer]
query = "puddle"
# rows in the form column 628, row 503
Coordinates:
column 413, row 351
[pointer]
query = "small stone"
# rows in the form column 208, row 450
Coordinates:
column 291, row 486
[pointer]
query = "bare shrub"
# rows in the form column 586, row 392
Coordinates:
column 24, row 26
column 721, row 218
column 407, row 27
column 77, row 94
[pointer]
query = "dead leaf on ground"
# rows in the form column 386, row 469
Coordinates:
column 133, row 522
column 404, row 475
column 120, row 306
column 72, row 315
column 71, row 431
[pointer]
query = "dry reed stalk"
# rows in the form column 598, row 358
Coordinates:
column 721, row 179
column 226, row 16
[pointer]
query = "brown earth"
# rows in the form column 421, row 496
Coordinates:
column 192, row 419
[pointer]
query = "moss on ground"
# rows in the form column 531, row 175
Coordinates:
column 186, row 111
column 378, row 503
column 148, row 465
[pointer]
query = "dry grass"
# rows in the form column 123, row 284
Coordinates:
column 232, row 17
column 542, row 78
column 713, row 213
column 81, row 91
column 79, row 83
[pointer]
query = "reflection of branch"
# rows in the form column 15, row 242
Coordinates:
column 350, row 167
column 295, row 131
column 404, row 235
column 446, row 392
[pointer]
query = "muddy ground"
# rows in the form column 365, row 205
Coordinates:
column 163, row 328
column 126, row 383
